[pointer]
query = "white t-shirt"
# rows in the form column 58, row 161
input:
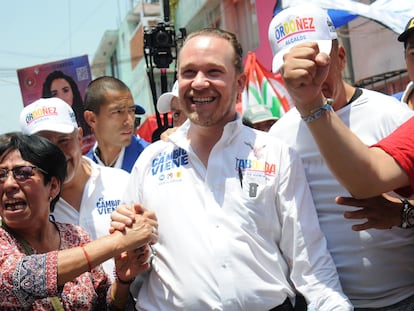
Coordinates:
column 231, row 234
column 375, row 266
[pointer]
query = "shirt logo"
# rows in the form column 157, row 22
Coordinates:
column 267, row 168
column 106, row 206
column 167, row 166
column 165, row 162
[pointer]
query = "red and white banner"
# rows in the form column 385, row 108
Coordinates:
column 264, row 88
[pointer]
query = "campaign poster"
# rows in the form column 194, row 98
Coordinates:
column 66, row 79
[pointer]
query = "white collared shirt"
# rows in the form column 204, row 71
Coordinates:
column 231, row 235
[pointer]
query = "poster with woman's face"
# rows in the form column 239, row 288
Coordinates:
column 32, row 79
column 66, row 79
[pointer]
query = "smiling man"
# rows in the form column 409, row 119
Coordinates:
column 110, row 112
column 236, row 219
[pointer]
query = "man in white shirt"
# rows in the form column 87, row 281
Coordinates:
column 90, row 192
column 237, row 225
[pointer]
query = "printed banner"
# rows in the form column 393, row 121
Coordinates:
column 66, row 79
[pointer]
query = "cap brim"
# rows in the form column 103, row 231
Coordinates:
column 164, row 102
column 139, row 109
column 258, row 120
column 324, row 47
column 58, row 128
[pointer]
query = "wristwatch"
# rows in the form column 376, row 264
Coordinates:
column 407, row 214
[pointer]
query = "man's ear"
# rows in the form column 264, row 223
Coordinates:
column 342, row 57
column 90, row 118
column 241, row 82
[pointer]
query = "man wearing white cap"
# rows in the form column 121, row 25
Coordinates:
column 371, row 274
column 90, row 191
column 169, row 102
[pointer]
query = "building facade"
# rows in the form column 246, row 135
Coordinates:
column 375, row 57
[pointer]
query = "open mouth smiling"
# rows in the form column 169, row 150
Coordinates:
column 202, row 100
column 14, row 205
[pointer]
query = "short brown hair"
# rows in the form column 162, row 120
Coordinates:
column 230, row 37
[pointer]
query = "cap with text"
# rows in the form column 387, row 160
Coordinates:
column 298, row 24
column 409, row 29
column 164, row 101
column 48, row 114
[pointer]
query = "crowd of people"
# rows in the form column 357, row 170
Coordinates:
column 309, row 211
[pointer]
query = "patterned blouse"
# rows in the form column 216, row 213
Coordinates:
column 26, row 281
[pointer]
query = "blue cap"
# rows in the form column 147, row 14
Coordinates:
column 139, row 109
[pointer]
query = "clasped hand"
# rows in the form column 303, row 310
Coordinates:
column 142, row 226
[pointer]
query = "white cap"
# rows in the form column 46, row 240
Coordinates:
column 164, row 101
column 48, row 114
column 294, row 25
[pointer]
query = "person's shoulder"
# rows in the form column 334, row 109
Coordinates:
column 273, row 149
column 89, row 154
column 77, row 233
column 106, row 171
column 290, row 120
column 155, row 150
column 398, row 95
column 262, row 138
column 133, row 151
column 380, row 101
column 370, row 94
column 113, row 172
column 158, row 146
column 139, row 141
column 91, row 151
